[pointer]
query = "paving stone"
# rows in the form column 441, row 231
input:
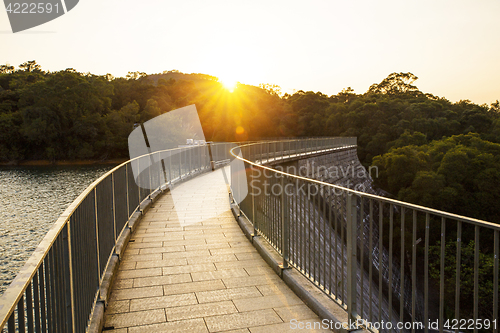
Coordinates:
column 121, row 330
column 184, row 242
column 123, row 283
column 210, row 247
column 135, row 318
column 143, row 234
column 227, row 294
column 220, row 274
column 161, row 302
column 143, row 257
column 130, row 274
column 251, row 281
column 275, row 289
column 161, row 263
column 126, row 265
column 200, row 310
column 186, row 254
column 161, row 280
column 121, row 294
column 134, row 245
column 209, row 258
column 228, row 239
column 292, row 327
column 241, row 264
column 260, row 270
column 192, row 326
column 188, row 269
column 190, row 287
column 238, row 243
column 248, row 256
column 268, row 302
column 297, row 312
column 167, row 237
column 208, row 236
column 131, row 251
column 177, row 248
column 242, row 320
column 235, row 250
column 118, row 307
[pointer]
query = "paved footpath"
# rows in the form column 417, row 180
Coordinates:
column 191, row 269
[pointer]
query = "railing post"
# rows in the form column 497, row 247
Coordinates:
column 285, row 241
column 254, row 220
column 351, row 255
column 180, row 163
column 68, row 276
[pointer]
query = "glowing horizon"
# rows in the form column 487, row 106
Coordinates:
column 323, row 46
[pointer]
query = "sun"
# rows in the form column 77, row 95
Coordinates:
column 228, row 82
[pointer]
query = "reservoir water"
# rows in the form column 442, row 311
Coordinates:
column 31, row 200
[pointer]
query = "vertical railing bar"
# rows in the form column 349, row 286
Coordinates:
column 476, row 276
column 330, row 231
column 457, row 272
column 315, row 225
column 351, row 238
column 12, row 323
column 293, row 250
column 323, row 217
column 36, row 301
column 29, row 308
column 402, row 269
column 380, row 258
column 309, row 242
column 336, row 218
column 127, row 190
column 69, row 278
column 414, row 270
column 48, row 293
column 285, row 223
column 495, row 280
column 57, row 284
column 441, row 281
column 97, row 235
column 370, row 262
column 20, row 315
column 391, row 236
column 252, row 193
column 273, row 205
column 342, row 238
column 361, row 255
column 303, row 239
column 42, row 288
column 426, row 274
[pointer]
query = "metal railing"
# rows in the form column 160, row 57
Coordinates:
column 60, row 284
column 382, row 260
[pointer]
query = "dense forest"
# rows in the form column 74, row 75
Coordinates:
column 428, row 150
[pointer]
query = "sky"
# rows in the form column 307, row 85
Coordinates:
column 453, row 46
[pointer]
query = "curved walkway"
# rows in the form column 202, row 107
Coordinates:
column 189, row 268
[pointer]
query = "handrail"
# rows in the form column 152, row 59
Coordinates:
column 59, row 285
column 311, row 231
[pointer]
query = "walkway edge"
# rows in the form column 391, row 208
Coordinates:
column 329, row 311
column 96, row 322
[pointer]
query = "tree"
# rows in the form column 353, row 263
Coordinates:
column 30, row 66
column 6, row 69
column 395, row 83
column 136, row 75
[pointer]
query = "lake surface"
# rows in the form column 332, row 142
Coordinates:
column 31, row 200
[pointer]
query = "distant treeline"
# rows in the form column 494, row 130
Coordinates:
column 428, row 150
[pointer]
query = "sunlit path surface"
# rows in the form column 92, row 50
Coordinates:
column 181, row 276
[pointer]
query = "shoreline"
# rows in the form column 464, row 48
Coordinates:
column 64, row 162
